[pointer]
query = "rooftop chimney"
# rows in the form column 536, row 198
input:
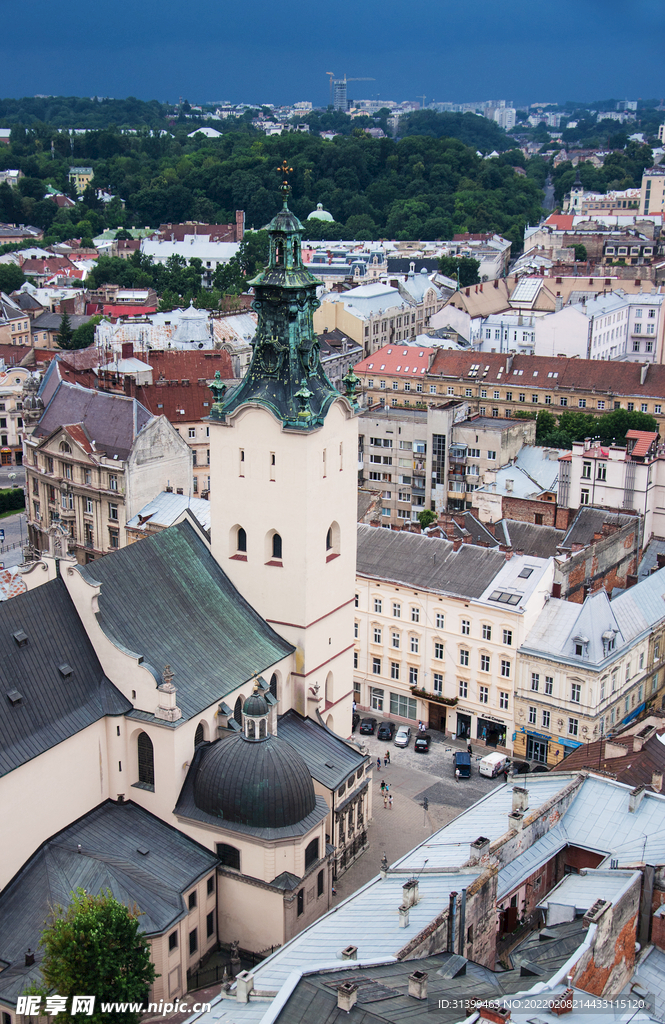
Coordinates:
column 497, row 1014
column 404, row 917
column 350, row 953
column 418, row 985
column 410, row 893
column 127, row 350
column 515, row 820
column 635, row 799
column 660, row 559
column 478, row 849
column 563, row 1003
column 30, row 958
column 631, row 580
column 657, row 781
column 520, row 798
column 556, row 590
column 347, row 994
column 244, row 985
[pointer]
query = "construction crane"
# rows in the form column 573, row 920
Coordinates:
column 332, row 75
column 423, row 97
column 339, row 86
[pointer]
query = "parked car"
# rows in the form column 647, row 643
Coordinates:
column 462, row 764
column 356, row 719
column 520, row 767
column 403, row 736
column 386, row 731
column 368, row 726
column 422, row 742
column 539, row 767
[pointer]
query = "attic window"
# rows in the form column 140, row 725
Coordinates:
column 525, row 573
column 65, row 669
column 160, row 406
column 21, row 638
column 14, row 698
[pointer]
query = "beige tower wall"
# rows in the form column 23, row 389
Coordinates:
column 266, row 479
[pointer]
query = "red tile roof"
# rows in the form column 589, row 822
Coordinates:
column 560, row 221
column 180, row 403
column 398, row 361
column 175, row 364
column 126, row 310
column 643, row 441
column 52, row 265
column 78, row 434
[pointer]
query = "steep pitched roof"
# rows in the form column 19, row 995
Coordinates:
column 328, row 757
column 590, row 520
column 634, row 768
column 541, row 541
column 53, row 686
column 111, row 421
column 122, row 847
column 167, row 599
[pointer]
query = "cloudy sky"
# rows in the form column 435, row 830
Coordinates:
column 264, row 51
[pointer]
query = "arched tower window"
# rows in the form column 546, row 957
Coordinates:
column 146, row 756
column 198, row 735
column 276, row 546
column 311, row 853
column 332, row 541
column 273, row 684
column 242, row 539
column 237, row 710
column 329, row 539
column 64, row 447
column 262, row 728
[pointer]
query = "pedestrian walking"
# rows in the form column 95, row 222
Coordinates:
column 378, row 764
column 390, row 801
column 387, row 787
column 385, row 801
column 387, row 757
column 468, row 749
column 457, row 774
column 385, row 760
column 383, row 785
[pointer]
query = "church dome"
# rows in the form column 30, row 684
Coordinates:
column 320, row 214
column 285, row 221
column 256, row 705
column 193, row 326
column 264, row 785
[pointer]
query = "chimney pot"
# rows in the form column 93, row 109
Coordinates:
column 635, row 799
column 403, row 917
column 410, row 893
column 556, row 590
column 244, row 985
column 30, row 958
column 418, row 984
column 350, row 953
column 657, row 781
column 631, row 580
column 520, row 798
column 478, row 849
column 347, row 995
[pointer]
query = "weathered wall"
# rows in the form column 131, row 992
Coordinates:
column 608, row 965
column 606, row 561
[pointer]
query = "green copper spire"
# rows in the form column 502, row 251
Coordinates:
column 285, row 374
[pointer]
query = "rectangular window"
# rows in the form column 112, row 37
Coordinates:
column 377, row 635
column 464, row 657
column 491, row 456
column 377, row 605
column 581, row 402
column 394, row 670
column 404, row 707
column 414, row 644
column 484, row 662
column 113, row 511
column 440, row 620
column 586, row 470
column 487, row 632
column 463, row 688
column 575, row 692
column 549, row 685
column 355, row 659
column 503, row 700
column 356, row 630
column 301, row 902
column 466, row 627
column 563, row 400
column 573, row 726
column 394, row 639
column 173, row 941
column 546, row 719
column 376, row 666
column 438, row 682
column 193, row 941
column 438, row 650
column 508, row 637
column 192, row 431
column 584, row 496
column 532, row 715
column 535, row 680
column 483, row 694
column 415, row 614
column 413, row 676
column 505, row 668
column 210, row 924
column 397, row 610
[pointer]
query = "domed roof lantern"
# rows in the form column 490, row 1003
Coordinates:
column 255, row 713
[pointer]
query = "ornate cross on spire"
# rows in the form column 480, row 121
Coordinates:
column 285, row 188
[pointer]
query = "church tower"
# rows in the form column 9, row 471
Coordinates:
column 283, row 454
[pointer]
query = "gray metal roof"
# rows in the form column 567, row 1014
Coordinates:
column 654, row 548
column 541, row 541
column 166, row 507
column 420, row 561
column 330, row 760
column 111, row 421
column 167, row 599
column 589, row 520
column 53, row 706
column 582, row 890
column 111, row 838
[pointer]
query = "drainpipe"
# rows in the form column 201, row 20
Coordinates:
column 462, row 922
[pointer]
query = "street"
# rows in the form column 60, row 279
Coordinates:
column 11, row 550
column 411, row 778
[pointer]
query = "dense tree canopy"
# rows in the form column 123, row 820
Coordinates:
column 574, row 425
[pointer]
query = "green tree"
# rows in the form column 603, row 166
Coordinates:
column 545, row 424
column 65, row 333
column 426, row 518
column 94, row 947
column 465, row 266
column 84, row 335
column 11, row 277
column 580, row 253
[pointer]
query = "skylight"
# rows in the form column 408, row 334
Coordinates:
column 504, row 598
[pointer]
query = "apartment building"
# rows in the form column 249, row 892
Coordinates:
column 12, row 381
column 480, row 445
column 584, row 670
column 437, row 629
column 404, row 452
column 652, row 192
column 96, row 472
column 500, row 385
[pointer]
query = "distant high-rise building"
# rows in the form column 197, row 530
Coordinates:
column 339, row 94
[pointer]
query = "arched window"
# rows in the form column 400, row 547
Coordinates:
column 237, row 711
column 242, row 539
column 329, row 688
column 311, row 853
column 250, row 729
column 329, row 539
column 146, row 760
column 276, row 546
column 262, row 728
column 332, row 541
column 198, row 735
column 273, row 684
column 229, row 856
column 64, row 447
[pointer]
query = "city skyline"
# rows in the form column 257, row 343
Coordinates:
column 441, row 51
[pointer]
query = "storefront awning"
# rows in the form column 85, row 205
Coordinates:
column 634, row 714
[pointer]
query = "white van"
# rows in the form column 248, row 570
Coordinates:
column 492, row 764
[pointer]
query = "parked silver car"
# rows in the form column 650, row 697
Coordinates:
column 402, row 736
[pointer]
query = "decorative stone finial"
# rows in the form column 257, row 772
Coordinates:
column 218, row 388
column 285, row 188
column 167, row 709
column 350, row 382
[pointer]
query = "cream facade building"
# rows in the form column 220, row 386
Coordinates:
column 437, row 629
column 583, row 671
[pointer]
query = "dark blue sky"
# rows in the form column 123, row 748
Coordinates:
column 527, row 50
